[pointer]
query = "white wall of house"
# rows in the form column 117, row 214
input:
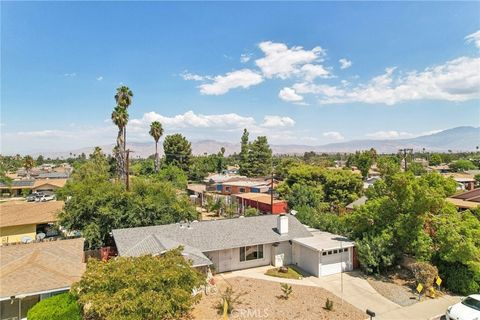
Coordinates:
column 229, row 259
column 282, row 254
column 306, row 258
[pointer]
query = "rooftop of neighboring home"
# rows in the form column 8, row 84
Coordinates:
column 441, row 167
column 18, row 184
column 461, row 176
column 53, row 175
column 17, row 213
column 53, row 182
column 208, row 236
column 359, row 202
column 218, row 178
column 466, row 200
column 258, row 197
column 42, row 267
column 246, row 183
column 197, row 188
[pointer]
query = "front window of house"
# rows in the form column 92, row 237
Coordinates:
column 251, row 253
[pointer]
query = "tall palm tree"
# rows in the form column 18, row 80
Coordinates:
column 120, row 119
column 123, row 97
column 28, row 164
column 156, row 131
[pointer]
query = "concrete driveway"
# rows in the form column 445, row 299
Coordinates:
column 358, row 292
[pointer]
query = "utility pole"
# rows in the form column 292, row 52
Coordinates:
column 271, row 192
column 404, row 153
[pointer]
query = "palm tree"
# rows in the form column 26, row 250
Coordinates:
column 120, row 119
column 28, row 164
column 123, row 97
column 156, row 131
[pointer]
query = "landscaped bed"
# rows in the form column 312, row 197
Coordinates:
column 263, row 300
column 284, row 272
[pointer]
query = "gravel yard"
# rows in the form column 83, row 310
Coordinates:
column 400, row 294
column 262, row 300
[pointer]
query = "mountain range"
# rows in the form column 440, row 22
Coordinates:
column 455, row 139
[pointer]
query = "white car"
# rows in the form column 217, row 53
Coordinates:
column 45, row 197
column 467, row 309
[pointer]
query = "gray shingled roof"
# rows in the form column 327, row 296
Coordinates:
column 357, row 203
column 53, row 175
column 18, row 183
column 153, row 244
column 210, row 235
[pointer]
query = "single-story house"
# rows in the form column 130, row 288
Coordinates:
column 15, row 187
column 466, row 200
column 241, row 243
column 231, row 170
column 48, row 185
column 22, row 221
column 464, row 180
column 196, row 192
column 53, row 175
column 32, row 272
column 262, row 202
column 243, row 186
column 442, row 168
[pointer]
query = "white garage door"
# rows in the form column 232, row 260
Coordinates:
column 333, row 262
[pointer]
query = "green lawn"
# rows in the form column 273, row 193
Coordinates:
column 291, row 274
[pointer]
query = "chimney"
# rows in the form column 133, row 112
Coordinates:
column 282, row 224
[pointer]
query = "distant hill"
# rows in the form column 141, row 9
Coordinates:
column 455, row 139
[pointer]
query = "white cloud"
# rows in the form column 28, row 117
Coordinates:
column 277, row 121
column 99, row 78
column 191, row 119
column 289, row 94
column 333, row 135
column 70, row 75
column 345, row 63
column 191, row 76
column 474, row 37
column 282, row 62
column 312, row 71
column 455, row 80
column 245, row 57
column 222, row 84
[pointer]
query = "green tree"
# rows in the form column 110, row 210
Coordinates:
column 156, row 131
column 462, row 165
column 141, row 288
column 435, row 159
column 178, row 151
column 40, row 160
column 416, row 168
column 244, row 151
column 260, row 157
column 173, row 174
column 60, row 307
column 375, row 252
column 388, row 166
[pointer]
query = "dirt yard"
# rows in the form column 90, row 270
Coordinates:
column 262, row 300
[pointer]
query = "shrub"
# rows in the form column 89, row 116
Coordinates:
column 425, row 273
column 59, row 307
column 230, row 298
column 329, row 305
column 459, row 278
column 250, row 212
column 286, row 289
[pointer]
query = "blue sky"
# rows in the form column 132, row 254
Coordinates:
column 300, row 73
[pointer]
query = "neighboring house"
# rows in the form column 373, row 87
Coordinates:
column 370, row 181
column 357, row 203
column 243, row 186
column 465, row 181
column 443, row 168
column 262, row 202
column 15, row 187
column 48, row 185
column 32, row 272
column 20, row 220
column 53, row 175
column 241, row 243
column 466, row 200
column 196, row 193
column 231, row 170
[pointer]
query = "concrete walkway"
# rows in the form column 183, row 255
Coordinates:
column 359, row 293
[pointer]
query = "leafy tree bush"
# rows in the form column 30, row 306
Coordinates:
column 60, row 307
column 178, row 151
column 176, row 176
column 416, row 168
column 286, row 290
column 459, row 278
column 328, row 305
column 435, row 159
column 376, row 253
column 146, row 287
column 230, row 298
column 250, row 212
column 462, row 165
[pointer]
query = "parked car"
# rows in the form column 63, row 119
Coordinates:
column 33, row 196
column 45, row 197
column 467, row 309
